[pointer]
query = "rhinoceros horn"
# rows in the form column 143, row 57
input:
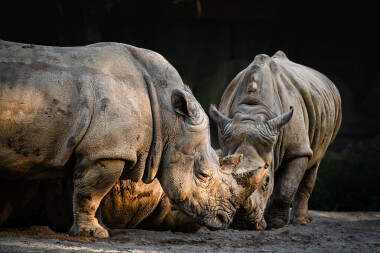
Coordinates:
column 251, row 179
column 275, row 124
column 218, row 117
column 231, row 162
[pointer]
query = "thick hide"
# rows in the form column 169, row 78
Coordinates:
column 106, row 112
column 283, row 114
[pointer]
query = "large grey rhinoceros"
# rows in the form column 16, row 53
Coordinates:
column 105, row 111
column 254, row 120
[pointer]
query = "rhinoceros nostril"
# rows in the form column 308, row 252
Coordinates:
column 221, row 218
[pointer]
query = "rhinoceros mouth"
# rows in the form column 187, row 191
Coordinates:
column 219, row 218
column 218, row 221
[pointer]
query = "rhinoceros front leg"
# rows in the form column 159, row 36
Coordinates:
column 299, row 213
column 287, row 179
column 92, row 181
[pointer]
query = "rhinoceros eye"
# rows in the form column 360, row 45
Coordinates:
column 265, row 182
column 204, row 173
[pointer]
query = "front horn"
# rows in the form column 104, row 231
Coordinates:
column 275, row 124
column 218, row 117
column 251, row 179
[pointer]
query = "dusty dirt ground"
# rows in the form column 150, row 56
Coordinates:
column 330, row 232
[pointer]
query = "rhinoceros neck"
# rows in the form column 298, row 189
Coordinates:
column 163, row 117
column 161, row 79
column 163, row 130
column 155, row 152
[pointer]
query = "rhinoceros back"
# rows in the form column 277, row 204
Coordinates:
column 319, row 114
column 53, row 97
column 45, row 106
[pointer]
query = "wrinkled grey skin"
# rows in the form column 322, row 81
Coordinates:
column 255, row 120
column 107, row 111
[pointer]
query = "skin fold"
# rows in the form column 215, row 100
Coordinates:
column 103, row 112
column 283, row 114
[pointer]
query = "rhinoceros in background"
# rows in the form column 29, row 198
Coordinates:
column 128, row 205
column 254, row 120
column 107, row 111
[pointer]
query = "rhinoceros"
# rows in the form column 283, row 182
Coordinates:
column 106, row 111
column 280, row 114
column 128, row 205
column 137, row 205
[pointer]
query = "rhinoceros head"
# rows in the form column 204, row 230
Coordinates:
column 194, row 178
column 252, row 129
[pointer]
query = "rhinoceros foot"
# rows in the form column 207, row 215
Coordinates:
column 90, row 229
column 277, row 218
column 300, row 219
column 275, row 223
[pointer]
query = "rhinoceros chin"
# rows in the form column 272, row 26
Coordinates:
column 213, row 220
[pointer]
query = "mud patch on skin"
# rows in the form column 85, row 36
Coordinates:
column 104, row 102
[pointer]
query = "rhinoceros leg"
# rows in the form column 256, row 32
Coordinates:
column 98, row 214
column 299, row 213
column 92, row 181
column 287, row 179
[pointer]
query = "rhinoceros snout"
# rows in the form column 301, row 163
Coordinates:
column 262, row 225
column 221, row 220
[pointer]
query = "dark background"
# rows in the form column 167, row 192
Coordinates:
column 210, row 41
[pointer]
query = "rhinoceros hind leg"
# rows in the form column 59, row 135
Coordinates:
column 299, row 213
column 286, row 184
column 92, row 181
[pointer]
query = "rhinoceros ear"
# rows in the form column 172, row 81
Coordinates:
column 183, row 103
column 218, row 117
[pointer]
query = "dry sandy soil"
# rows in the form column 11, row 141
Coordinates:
column 330, row 232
